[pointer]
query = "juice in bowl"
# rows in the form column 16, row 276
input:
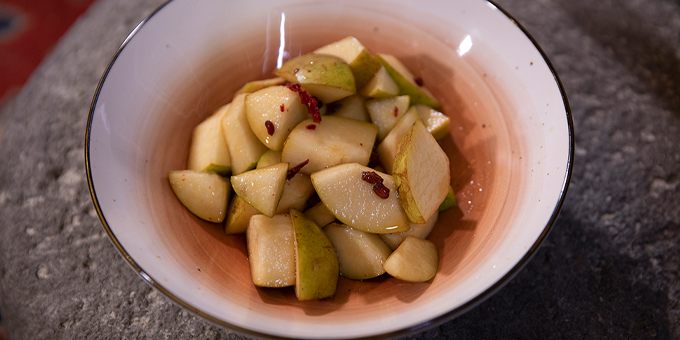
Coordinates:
column 509, row 146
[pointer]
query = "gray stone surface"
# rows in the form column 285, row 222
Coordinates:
column 609, row 269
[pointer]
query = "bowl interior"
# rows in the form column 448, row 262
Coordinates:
column 509, row 148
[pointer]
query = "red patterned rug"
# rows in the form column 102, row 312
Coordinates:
column 28, row 31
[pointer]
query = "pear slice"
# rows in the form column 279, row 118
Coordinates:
column 380, row 86
column 415, row 260
column 385, row 113
column 449, row 201
column 435, row 122
column 333, row 141
column 418, row 230
column 205, row 194
column 325, row 77
column 272, row 113
column 296, row 192
column 358, row 57
column 245, row 148
column 320, row 214
column 271, row 251
column 238, row 216
column 361, row 255
column 208, row 151
column 406, row 82
column 253, row 86
column 316, row 267
column 268, row 158
column 387, row 149
column 353, row 107
column 262, row 188
column 354, row 202
column 421, row 172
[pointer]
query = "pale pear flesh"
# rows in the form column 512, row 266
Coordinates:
column 205, row 194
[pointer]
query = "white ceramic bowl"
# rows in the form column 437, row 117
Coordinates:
column 511, row 151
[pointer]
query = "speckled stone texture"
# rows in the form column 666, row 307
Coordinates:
column 609, row 269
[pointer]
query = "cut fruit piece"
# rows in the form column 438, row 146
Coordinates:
column 238, row 216
column 205, row 194
column 354, row 202
column 388, row 148
column 272, row 113
column 316, row 267
column 415, row 260
column 325, row 77
column 353, row 107
column 421, row 172
column 406, row 81
column 270, row 157
column 296, row 192
column 360, row 60
column 418, row 230
column 244, row 147
column 380, row 86
column 333, row 141
column 320, row 214
column 435, row 122
column 449, row 201
column 361, row 255
column 253, row 86
column 262, row 188
column 271, row 251
column 209, row 150
column 385, row 113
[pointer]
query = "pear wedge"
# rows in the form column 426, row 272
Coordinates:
column 385, row 113
column 405, row 80
column 256, row 85
column 316, row 268
column 450, row 201
column 393, row 240
column 359, row 58
column 435, row 122
column 415, row 260
column 204, row 193
column 421, row 174
column 271, row 251
column 353, row 107
column 263, row 187
column 388, row 148
column 245, row 148
column 325, row 77
column 320, row 214
column 272, row 113
column 238, row 216
column 380, row 86
column 208, row 151
column 361, row 255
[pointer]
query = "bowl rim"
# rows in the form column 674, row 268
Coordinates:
column 475, row 301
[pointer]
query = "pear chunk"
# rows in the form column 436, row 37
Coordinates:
column 272, row 113
column 380, row 86
column 435, row 122
column 245, row 148
column 406, row 82
column 268, row 158
column 354, row 202
column 449, row 201
column 385, row 113
column 418, row 230
column 238, row 216
column 209, row 150
column 333, row 141
column 353, row 107
column 388, row 148
column 205, row 194
column 361, row 254
column 421, row 173
column 271, row 251
column 320, row 214
column 415, row 260
column 262, row 188
column 256, row 85
column 296, row 192
column 316, row 267
column 325, row 77
column 360, row 60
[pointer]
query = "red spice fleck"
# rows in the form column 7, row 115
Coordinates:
column 361, row 144
column 293, row 171
column 418, row 80
column 270, row 127
column 296, row 70
column 308, row 100
column 371, row 177
column 381, row 190
column 283, row 107
column 310, row 127
column 396, row 111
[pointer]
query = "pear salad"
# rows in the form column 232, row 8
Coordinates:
column 335, row 170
